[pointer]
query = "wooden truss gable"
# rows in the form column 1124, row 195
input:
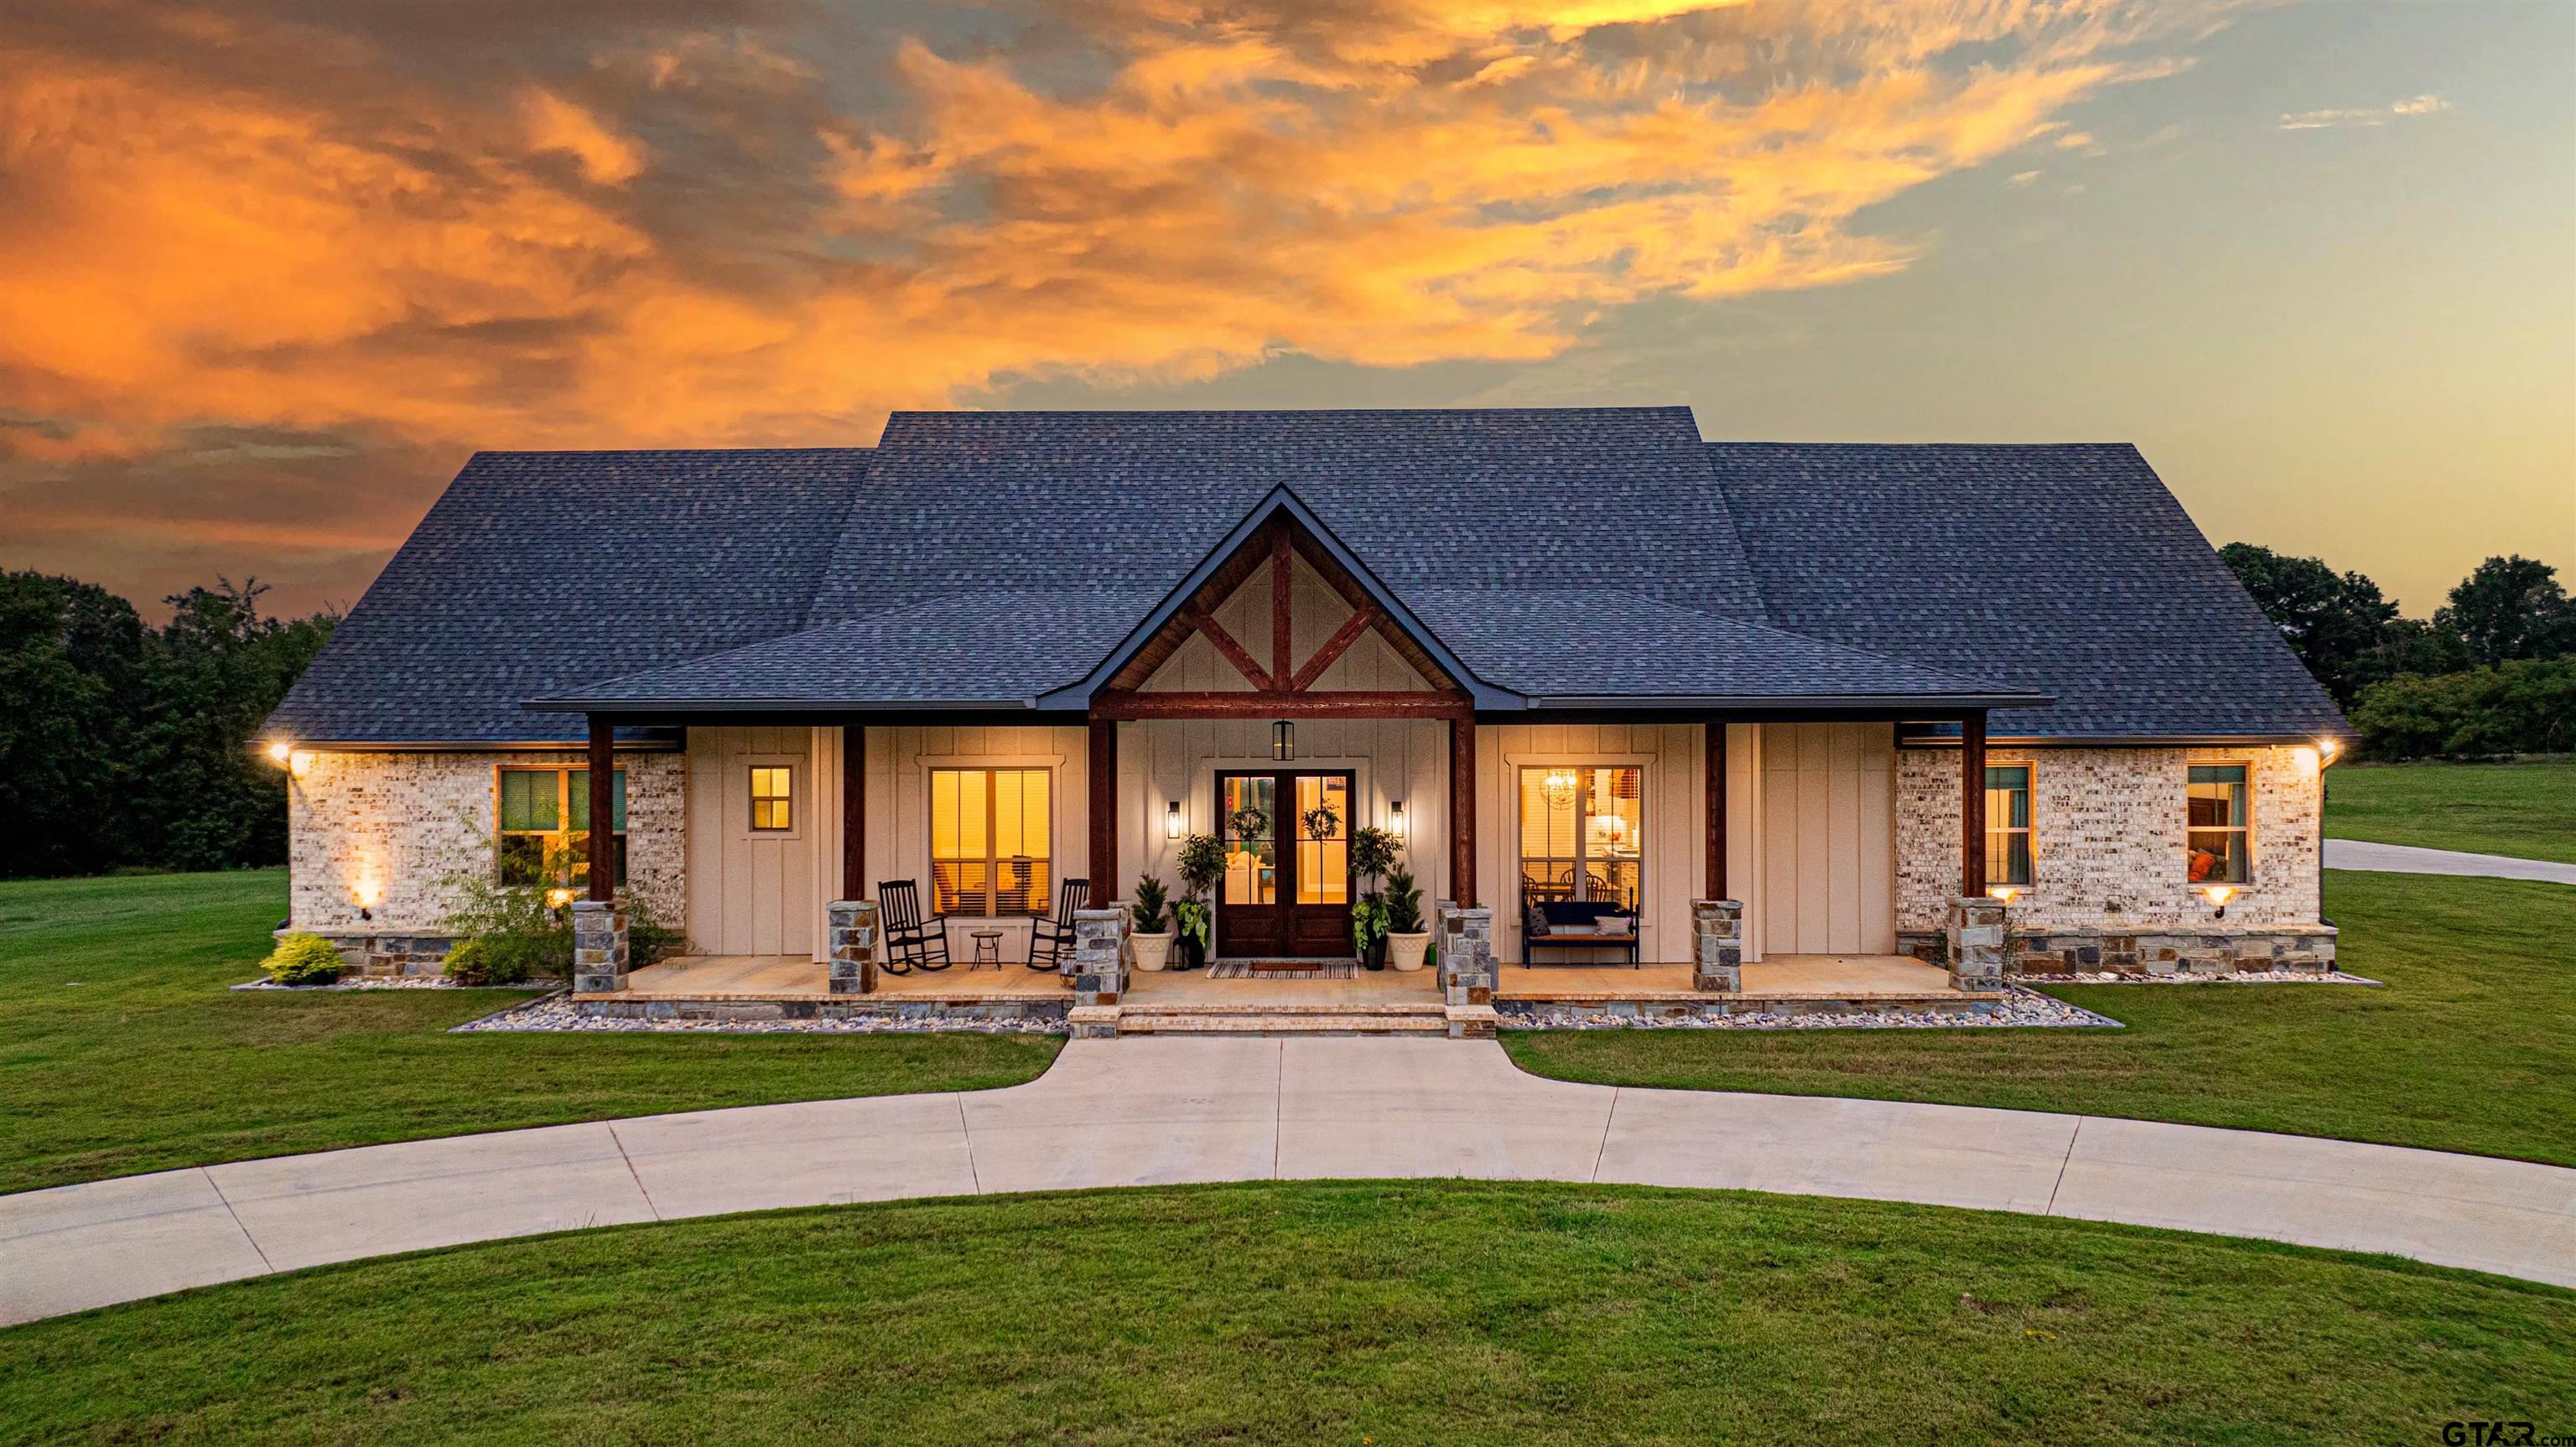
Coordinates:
column 1281, row 684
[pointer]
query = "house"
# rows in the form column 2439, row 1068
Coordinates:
column 1950, row 708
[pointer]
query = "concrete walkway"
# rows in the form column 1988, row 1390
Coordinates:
column 2407, row 859
column 1143, row 1112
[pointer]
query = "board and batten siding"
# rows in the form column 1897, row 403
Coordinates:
column 754, row 893
column 1826, row 875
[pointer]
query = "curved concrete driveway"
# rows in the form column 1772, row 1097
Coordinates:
column 1155, row 1111
column 2408, row 859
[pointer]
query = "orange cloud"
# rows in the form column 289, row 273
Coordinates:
column 612, row 228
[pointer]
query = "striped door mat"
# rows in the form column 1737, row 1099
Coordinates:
column 1273, row 970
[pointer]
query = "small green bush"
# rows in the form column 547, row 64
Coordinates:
column 303, row 960
column 503, row 959
column 1148, row 906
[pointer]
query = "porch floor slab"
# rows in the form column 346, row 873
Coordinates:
column 1779, row 977
column 794, row 977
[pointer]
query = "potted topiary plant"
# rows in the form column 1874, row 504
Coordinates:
column 1407, row 940
column 1373, row 852
column 1152, row 936
column 1202, row 864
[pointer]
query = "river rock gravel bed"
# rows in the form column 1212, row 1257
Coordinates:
column 2020, row 1008
column 559, row 1015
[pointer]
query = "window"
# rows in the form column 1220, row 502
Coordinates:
column 2216, row 839
column 990, row 833
column 2008, row 824
column 544, row 833
column 771, row 811
column 1582, row 833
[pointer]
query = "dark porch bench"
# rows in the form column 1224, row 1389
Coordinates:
column 1559, row 913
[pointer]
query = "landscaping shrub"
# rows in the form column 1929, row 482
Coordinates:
column 2527, row 705
column 303, row 960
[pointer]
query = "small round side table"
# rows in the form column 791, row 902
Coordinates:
column 988, row 948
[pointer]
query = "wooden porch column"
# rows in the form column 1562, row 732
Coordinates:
column 854, row 811
column 1462, row 811
column 601, row 847
column 1716, row 791
column 1103, row 797
column 1972, row 804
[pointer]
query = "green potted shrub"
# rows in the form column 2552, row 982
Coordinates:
column 1408, row 939
column 1152, row 936
column 1373, row 853
column 302, row 959
column 1202, row 864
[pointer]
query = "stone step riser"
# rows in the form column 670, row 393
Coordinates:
column 1283, row 1025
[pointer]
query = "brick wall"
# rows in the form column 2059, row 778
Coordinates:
column 407, row 822
column 2107, row 838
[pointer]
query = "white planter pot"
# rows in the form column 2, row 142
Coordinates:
column 1405, row 952
column 1152, row 950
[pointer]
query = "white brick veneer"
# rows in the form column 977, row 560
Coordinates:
column 409, row 821
column 2107, row 838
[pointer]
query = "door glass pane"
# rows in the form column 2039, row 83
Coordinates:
column 1323, row 840
column 1614, row 833
column 1248, row 829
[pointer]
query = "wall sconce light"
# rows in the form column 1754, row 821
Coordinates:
column 558, row 898
column 1283, row 741
column 281, row 752
column 1172, row 820
column 2219, row 895
column 2327, row 749
column 1395, row 818
column 366, row 892
column 2007, row 893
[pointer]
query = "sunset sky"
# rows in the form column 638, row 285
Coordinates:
column 271, row 269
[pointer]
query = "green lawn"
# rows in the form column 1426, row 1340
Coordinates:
column 1344, row 1313
column 2468, row 1049
column 2526, row 810
column 121, row 1050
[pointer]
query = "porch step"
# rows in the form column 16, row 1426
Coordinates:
column 1283, row 1019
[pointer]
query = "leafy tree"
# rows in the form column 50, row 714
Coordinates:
column 2413, row 645
column 2526, row 705
column 2511, row 607
column 125, row 745
column 2335, row 623
column 212, row 675
column 71, row 666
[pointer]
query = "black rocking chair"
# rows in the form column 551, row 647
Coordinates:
column 911, row 941
column 1051, row 939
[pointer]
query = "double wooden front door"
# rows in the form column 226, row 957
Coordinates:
column 1287, row 887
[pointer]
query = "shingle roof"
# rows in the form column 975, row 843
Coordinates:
column 985, row 558
column 2069, row 569
column 1593, row 643
column 538, row 571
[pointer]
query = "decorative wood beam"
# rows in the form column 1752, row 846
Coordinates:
column 1334, row 647
column 1462, row 810
column 854, row 811
column 1235, row 653
column 1972, row 804
column 601, row 846
column 1102, row 801
column 1716, row 790
column 1273, row 704
column 1280, row 577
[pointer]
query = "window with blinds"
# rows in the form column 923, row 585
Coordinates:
column 543, row 832
column 1582, row 833
column 990, row 833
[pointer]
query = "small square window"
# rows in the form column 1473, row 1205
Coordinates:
column 770, row 805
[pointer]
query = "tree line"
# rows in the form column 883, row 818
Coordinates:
column 2493, row 671
column 128, row 746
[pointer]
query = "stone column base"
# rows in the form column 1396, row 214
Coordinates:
column 1099, row 959
column 599, row 954
column 1717, row 945
column 1975, row 937
column 853, row 965
column 1467, row 967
